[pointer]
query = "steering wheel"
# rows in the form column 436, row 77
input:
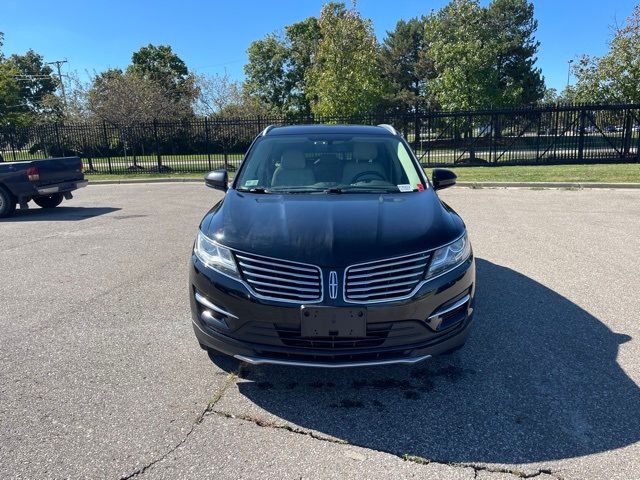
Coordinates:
column 371, row 173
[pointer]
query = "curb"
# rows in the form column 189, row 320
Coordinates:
column 459, row 184
column 547, row 185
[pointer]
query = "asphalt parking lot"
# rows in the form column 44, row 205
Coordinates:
column 101, row 376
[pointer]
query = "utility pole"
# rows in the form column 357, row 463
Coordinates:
column 569, row 71
column 58, row 64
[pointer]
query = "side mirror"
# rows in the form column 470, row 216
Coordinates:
column 218, row 179
column 442, row 178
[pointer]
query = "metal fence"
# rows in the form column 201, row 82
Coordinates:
column 558, row 134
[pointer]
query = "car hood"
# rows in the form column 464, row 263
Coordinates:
column 331, row 230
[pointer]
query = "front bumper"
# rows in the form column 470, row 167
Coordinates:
column 227, row 317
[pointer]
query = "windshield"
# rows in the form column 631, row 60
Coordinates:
column 337, row 163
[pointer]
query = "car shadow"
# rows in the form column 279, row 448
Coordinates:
column 538, row 380
column 58, row 214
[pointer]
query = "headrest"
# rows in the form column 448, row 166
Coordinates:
column 293, row 159
column 365, row 151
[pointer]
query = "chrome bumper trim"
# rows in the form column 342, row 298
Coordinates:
column 208, row 304
column 450, row 308
column 56, row 189
column 47, row 191
column 294, row 363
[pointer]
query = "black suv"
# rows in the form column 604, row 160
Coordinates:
column 331, row 249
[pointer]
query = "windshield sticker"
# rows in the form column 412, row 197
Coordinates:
column 251, row 183
column 420, row 187
column 405, row 188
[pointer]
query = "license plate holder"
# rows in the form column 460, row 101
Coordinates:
column 332, row 321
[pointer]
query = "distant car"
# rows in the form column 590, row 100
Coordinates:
column 331, row 248
column 590, row 129
column 609, row 129
column 46, row 182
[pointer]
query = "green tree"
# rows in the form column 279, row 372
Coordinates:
column 614, row 77
column 37, row 84
column 162, row 66
column 514, row 25
column 464, row 52
column 406, row 66
column 124, row 98
column 10, row 101
column 484, row 57
column 550, row 96
column 344, row 80
column 266, row 71
column 9, row 95
column 277, row 66
column 302, row 39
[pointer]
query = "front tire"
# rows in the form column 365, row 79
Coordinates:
column 49, row 201
column 7, row 203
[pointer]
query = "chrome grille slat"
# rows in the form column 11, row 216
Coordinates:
column 391, row 292
column 385, row 280
column 282, row 280
column 286, row 287
column 378, row 287
column 258, row 275
column 386, row 264
column 284, row 264
column 396, row 270
column 277, row 295
column 271, row 270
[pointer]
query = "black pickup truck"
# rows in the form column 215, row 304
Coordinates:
column 46, row 182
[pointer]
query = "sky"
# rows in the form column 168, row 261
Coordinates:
column 212, row 36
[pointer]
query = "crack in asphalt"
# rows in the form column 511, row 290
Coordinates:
column 281, row 426
column 406, row 457
column 231, row 379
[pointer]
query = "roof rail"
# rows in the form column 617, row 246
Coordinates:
column 266, row 130
column 389, row 128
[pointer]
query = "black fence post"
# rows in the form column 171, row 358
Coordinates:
column 555, row 132
column 87, row 150
column 428, row 139
column 106, row 143
column 493, row 134
column 225, row 149
column 206, row 142
column 583, row 115
column 538, row 133
column 158, row 155
column 638, row 144
column 417, row 129
column 628, row 134
column 57, row 130
column 12, row 142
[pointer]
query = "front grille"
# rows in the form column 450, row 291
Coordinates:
column 384, row 280
column 376, row 335
column 281, row 279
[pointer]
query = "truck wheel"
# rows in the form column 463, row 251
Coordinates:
column 49, row 201
column 7, row 203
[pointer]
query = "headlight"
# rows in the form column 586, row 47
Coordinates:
column 215, row 256
column 449, row 256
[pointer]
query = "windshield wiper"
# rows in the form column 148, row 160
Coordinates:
column 297, row 190
column 254, row 190
column 362, row 189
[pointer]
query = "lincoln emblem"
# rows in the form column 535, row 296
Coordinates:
column 333, row 284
